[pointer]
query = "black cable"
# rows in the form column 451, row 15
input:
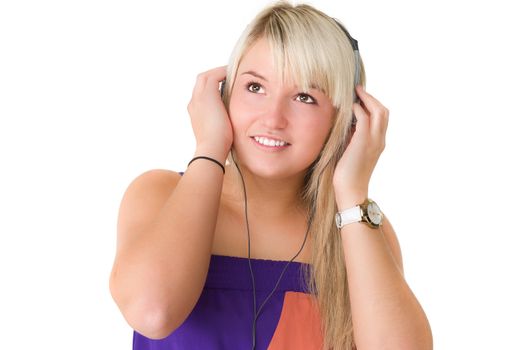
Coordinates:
column 256, row 314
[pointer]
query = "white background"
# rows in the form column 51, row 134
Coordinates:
column 93, row 93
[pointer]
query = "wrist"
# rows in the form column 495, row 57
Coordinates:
column 212, row 152
column 208, row 159
column 351, row 198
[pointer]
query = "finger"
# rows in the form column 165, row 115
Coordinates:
column 364, row 107
column 379, row 114
column 362, row 119
column 378, row 127
column 372, row 104
column 214, row 79
column 216, row 74
column 211, row 77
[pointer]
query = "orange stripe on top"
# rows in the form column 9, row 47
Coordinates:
column 299, row 326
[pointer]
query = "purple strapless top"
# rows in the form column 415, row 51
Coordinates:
column 223, row 315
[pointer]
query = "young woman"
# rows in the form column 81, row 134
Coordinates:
column 279, row 247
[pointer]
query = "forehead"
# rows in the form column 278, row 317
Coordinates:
column 258, row 58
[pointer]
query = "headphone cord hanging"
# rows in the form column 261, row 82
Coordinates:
column 256, row 314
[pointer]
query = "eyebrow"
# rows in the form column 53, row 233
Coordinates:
column 251, row 72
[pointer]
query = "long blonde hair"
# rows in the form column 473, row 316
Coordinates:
column 310, row 48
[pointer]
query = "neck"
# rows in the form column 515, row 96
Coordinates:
column 269, row 197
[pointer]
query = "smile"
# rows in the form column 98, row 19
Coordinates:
column 269, row 142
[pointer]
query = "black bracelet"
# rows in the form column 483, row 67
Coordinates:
column 208, row 158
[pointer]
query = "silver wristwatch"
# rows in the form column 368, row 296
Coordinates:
column 368, row 212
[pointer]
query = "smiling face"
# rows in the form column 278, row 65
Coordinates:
column 279, row 130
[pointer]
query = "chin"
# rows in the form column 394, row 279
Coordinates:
column 267, row 168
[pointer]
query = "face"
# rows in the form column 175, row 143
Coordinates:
column 278, row 129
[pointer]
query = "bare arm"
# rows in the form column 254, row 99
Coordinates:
column 166, row 224
column 165, row 234
column 385, row 312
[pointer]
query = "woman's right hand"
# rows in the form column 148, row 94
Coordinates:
column 210, row 120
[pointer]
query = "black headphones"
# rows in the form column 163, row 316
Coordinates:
column 357, row 63
column 357, row 77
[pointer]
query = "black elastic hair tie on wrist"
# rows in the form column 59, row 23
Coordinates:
column 207, row 158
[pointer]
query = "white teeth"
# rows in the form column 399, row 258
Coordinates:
column 269, row 142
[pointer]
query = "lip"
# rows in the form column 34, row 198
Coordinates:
column 269, row 148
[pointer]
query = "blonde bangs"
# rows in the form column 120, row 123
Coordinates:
column 304, row 53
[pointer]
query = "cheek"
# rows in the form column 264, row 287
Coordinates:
column 243, row 110
column 240, row 120
column 245, row 105
column 319, row 128
column 238, row 103
column 235, row 111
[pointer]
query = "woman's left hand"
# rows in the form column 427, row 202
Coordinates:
column 355, row 167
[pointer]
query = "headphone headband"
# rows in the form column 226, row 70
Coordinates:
column 354, row 42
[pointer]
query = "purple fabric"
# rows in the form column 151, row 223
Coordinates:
column 223, row 315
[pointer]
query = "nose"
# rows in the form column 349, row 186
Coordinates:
column 275, row 116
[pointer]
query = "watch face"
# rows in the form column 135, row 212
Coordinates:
column 374, row 213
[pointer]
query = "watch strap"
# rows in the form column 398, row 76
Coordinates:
column 351, row 215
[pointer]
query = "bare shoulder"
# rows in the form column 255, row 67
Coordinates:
column 392, row 241
column 142, row 201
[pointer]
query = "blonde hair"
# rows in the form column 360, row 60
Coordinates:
column 310, row 48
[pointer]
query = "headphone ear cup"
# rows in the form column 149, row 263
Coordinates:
column 222, row 88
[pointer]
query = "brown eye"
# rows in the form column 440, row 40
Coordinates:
column 253, row 87
column 306, row 99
